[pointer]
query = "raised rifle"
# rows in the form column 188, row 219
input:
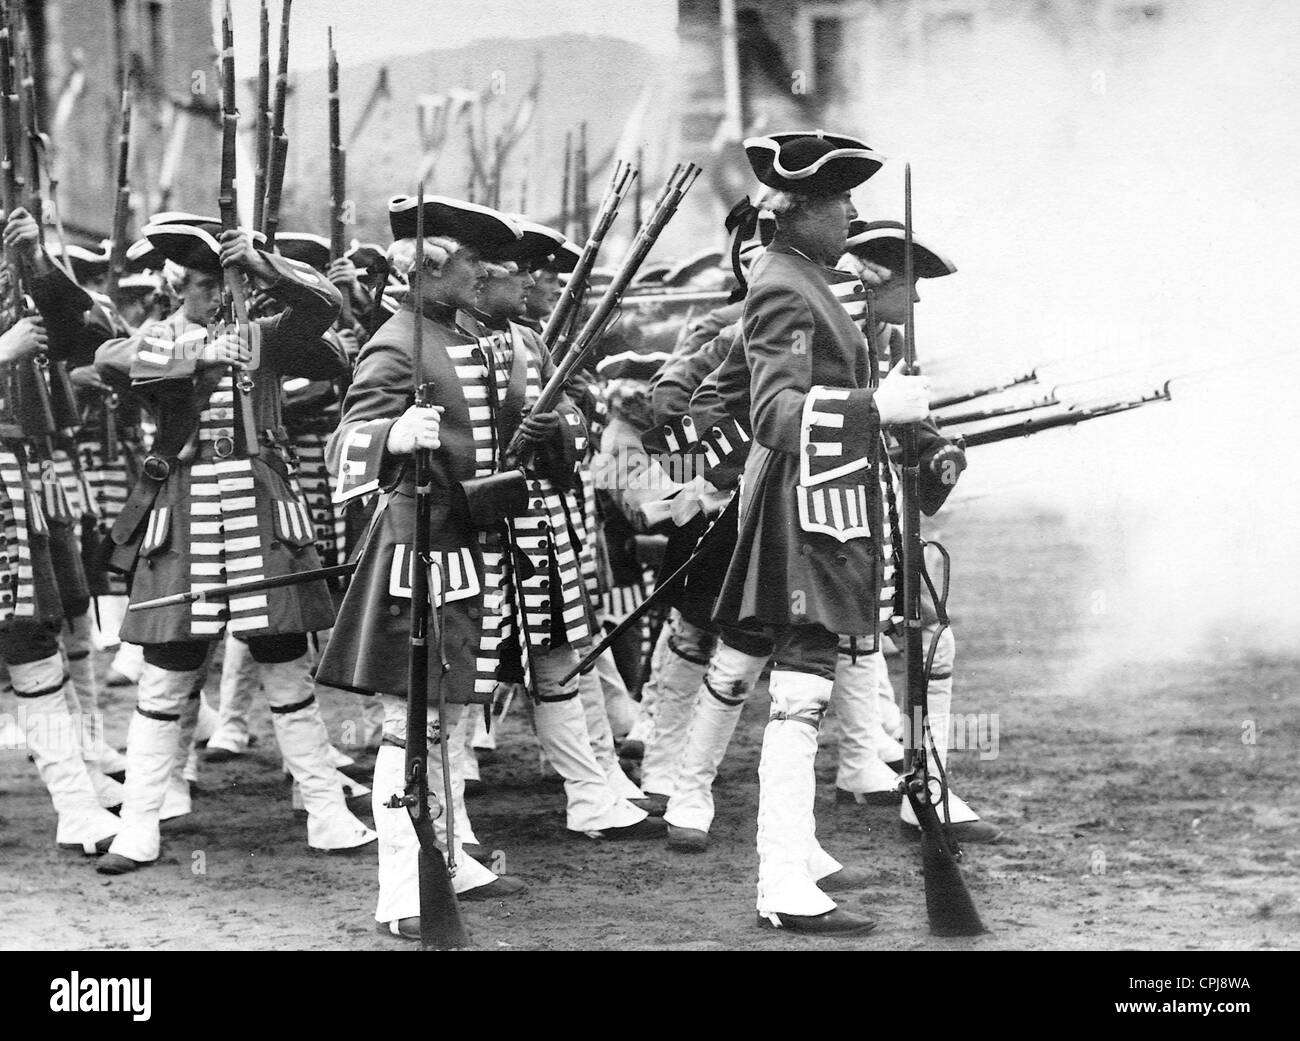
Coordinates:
column 262, row 125
column 564, row 183
column 441, row 927
column 338, row 182
column 245, row 436
column 948, row 903
column 576, row 286
column 62, row 401
column 28, row 391
column 581, row 180
column 279, row 143
column 588, row 337
column 122, row 199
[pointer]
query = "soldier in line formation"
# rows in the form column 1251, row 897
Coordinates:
column 208, row 452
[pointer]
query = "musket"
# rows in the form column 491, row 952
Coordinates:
column 39, row 143
column 703, row 546
column 963, row 396
column 1070, row 417
column 588, row 338
column 246, row 438
column 577, row 283
column 949, row 906
column 122, row 199
column 564, row 183
column 255, row 585
column 279, row 144
column 636, row 191
column 29, row 390
column 979, row 415
column 441, row 927
column 581, row 180
column 262, row 126
column 338, row 182
column 664, row 297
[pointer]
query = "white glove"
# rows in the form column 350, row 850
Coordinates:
column 902, row 399
column 415, row 428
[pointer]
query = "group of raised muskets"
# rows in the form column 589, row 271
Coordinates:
column 66, row 430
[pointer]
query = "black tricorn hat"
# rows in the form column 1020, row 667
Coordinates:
column 303, row 246
column 188, row 240
column 536, row 245
column 141, row 255
column 468, row 223
column 693, row 266
column 812, row 162
column 564, row 260
column 882, row 242
column 86, row 262
column 368, row 256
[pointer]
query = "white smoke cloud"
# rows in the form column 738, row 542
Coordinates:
column 1118, row 192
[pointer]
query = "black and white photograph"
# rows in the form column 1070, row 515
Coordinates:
column 651, row 475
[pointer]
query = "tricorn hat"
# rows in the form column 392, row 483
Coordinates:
column 812, row 162
column 466, row 222
column 564, row 260
column 882, row 242
column 305, row 247
column 188, row 240
column 86, row 262
column 535, row 246
column 692, row 267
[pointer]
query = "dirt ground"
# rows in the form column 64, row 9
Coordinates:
column 1145, row 804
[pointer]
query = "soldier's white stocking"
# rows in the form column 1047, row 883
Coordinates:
column 718, row 704
column 49, row 734
column 152, row 748
column 939, row 705
column 681, row 667
column 855, row 704
column 561, row 729
column 789, row 859
column 399, row 849
column 592, row 695
column 240, row 679
column 304, row 743
column 77, row 645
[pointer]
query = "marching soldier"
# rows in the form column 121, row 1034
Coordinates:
column 215, row 504
column 32, row 604
column 814, row 553
column 509, row 605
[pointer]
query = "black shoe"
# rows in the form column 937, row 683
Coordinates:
column 687, row 840
column 837, row 922
column 220, row 755
column 473, row 787
column 501, row 887
column 98, row 849
column 885, row 798
column 116, row 864
column 649, row 828
column 631, row 749
column 403, row 929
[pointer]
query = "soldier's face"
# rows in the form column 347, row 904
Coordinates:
column 459, row 281
column 823, row 224
column 544, row 294
column 201, row 297
column 891, row 300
